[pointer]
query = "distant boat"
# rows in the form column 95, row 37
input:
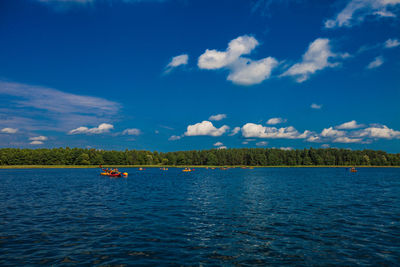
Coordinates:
column 187, row 170
column 353, row 169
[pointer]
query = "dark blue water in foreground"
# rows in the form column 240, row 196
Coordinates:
column 268, row 216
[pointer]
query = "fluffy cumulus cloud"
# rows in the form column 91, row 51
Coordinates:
column 132, row 131
column 218, row 144
column 391, row 43
column 213, row 59
column 248, row 72
column 377, row 62
column 357, row 10
column 102, row 128
column 259, row 131
column 330, row 132
column 174, row 137
column 37, row 140
column 176, row 62
column 205, row 128
column 314, row 138
column 242, row 71
column 9, row 130
column 350, row 133
column 378, row 132
column 315, row 106
column 317, row 57
column 217, row 117
column 337, row 136
column 36, row 143
column 234, row 131
column 349, row 125
column 274, row 121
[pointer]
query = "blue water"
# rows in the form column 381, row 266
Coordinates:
column 266, row 216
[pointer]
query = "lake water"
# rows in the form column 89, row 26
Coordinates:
column 266, row 216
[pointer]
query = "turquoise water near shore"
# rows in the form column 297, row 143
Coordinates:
column 264, row 216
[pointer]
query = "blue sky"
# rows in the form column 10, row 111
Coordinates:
column 182, row 75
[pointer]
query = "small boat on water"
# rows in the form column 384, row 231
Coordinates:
column 113, row 172
column 353, row 169
column 187, row 170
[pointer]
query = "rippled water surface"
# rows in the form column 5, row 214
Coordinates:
column 266, row 216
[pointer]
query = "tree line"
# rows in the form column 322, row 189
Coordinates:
column 213, row 157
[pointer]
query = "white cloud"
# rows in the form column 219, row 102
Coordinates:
column 205, row 128
column 314, row 138
column 330, row 132
column 9, row 130
column 259, row 131
column 325, row 145
column 378, row 132
column 174, row 137
column 234, row 131
column 242, row 71
column 363, row 136
column 347, row 140
column 286, row 148
column 36, row 143
column 316, row 58
column 38, row 138
column 132, row 131
column 102, row 128
column 177, row 61
column 332, row 135
column 391, row 43
column 356, row 11
column 274, row 121
column 315, row 106
column 57, row 101
column 217, row 117
column 349, row 125
column 222, row 147
column 377, row 62
column 248, row 72
column 262, row 143
column 245, row 142
column 213, row 59
column 218, row 144
column 57, row 110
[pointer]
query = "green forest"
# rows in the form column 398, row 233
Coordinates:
column 213, row 157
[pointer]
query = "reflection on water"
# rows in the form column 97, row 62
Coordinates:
column 297, row 216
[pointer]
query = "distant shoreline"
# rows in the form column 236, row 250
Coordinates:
column 180, row 166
